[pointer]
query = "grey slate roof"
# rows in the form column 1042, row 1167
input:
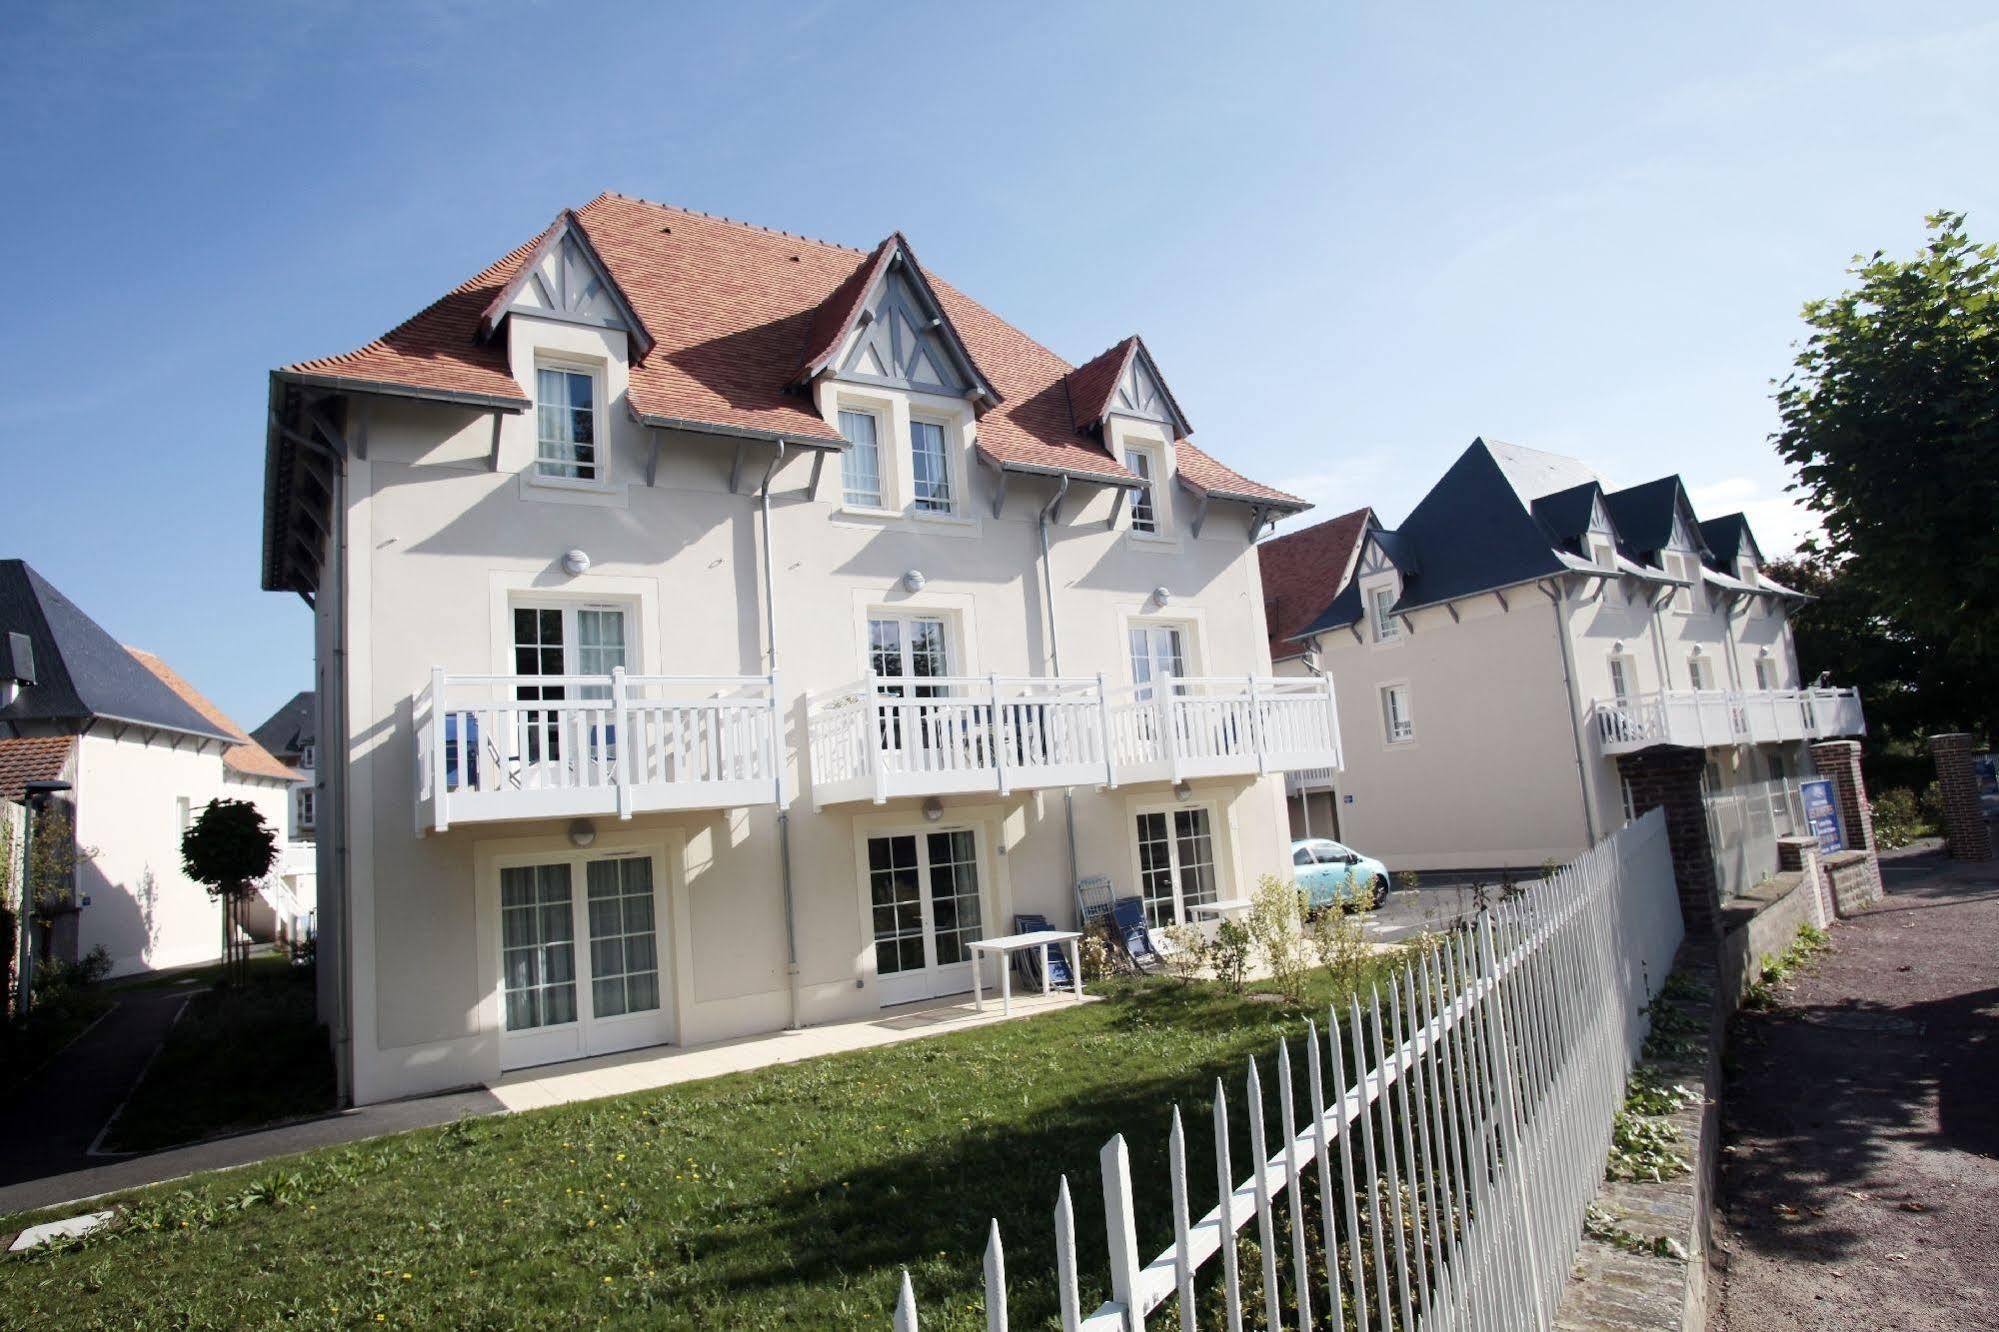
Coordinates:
column 83, row 674
column 292, row 727
column 1503, row 515
column 1726, row 537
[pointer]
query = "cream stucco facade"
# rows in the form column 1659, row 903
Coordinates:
column 444, row 532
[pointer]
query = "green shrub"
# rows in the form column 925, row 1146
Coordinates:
column 1898, row 818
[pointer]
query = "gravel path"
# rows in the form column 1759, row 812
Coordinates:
column 1860, row 1172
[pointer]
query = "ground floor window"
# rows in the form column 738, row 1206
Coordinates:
column 624, row 948
column 537, row 946
column 1176, row 862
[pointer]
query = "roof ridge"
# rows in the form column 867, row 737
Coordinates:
column 731, row 221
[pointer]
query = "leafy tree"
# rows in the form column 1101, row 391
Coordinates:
column 1891, row 418
column 229, row 849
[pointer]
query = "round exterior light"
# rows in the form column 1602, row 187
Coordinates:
column 913, row 581
column 1160, row 596
column 582, row 833
column 1182, row 791
column 933, row 809
column 576, row 562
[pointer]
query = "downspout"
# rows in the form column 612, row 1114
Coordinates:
column 1572, row 703
column 343, row 998
column 784, row 807
column 1055, row 657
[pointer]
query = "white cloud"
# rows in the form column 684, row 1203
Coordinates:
column 1778, row 519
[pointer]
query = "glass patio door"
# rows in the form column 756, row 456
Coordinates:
column 907, row 647
column 923, row 891
column 1176, row 863
column 579, row 972
column 557, row 641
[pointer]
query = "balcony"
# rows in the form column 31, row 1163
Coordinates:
column 607, row 744
column 1710, row 718
column 888, row 737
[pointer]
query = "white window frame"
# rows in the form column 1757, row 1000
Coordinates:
column 1189, row 637
column 954, row 479
column 1387, row 695
column 882, row 480
column 1220, row 849
column 600, row 416
column 308, row 756
column 1154, row 461
column 571, row 640
column 1767, row 674
column 1625, row 665
column 1384, row 625
column 303, row 811
column 1698, row 665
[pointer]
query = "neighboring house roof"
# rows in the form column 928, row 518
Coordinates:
column 739, row 313
column 1503, row 515
column 33, row 758
column 83, row 673
column 1302, row 570
column 246, row 756
column 292, row 727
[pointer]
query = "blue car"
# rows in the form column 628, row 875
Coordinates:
column 1329, row 873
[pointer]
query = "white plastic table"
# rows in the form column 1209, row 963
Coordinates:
column 1008, row 944
column 1219, row 909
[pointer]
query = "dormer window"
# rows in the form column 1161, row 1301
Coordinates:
column 566, row 437
column 1144, row 507
column 861, row 466
column 930, row 466
column 306, row 755
column 1381, row 603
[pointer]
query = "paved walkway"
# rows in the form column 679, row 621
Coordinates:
column 1860, row 1177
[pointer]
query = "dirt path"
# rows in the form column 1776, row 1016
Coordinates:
column 1860, row 1175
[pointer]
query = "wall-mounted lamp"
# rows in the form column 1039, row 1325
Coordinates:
column 1160, row 596
column 1182, row 791
column 913, row 581
column 582, row 832
column 933, row 809
column 575, row 563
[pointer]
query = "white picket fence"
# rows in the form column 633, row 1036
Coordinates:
column 1452, row 1175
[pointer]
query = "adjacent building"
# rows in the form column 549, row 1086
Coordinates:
column 1524, row 626
column 143, row 752
column 290, row 735
column 719, row 630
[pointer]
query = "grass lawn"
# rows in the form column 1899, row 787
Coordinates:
column 784, row 1197
column 240, row 1057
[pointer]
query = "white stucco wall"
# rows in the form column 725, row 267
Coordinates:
column 440, row 543
column 144, row 911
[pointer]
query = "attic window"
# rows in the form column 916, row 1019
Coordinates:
column 566, row 424
column 1144, row 510
column 1381, row 603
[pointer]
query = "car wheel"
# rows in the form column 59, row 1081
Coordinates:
column 1380, row 890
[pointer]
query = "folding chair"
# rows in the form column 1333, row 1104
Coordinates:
column 1128, row 924
column 1028, row 961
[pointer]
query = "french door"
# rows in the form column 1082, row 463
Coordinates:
column 580, row 970
column 1176, row 862
column 1158, row 654
column 912, row 648
column 559, row 640
column 923, row 891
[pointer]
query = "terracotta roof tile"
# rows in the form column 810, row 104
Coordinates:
column 738, row 310
column 1303, row 571
column 1092, row 383
column 1203, row 472
column 246, row 756
column 33, row 758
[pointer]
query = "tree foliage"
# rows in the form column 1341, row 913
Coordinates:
column 1891, row 418
column 229, row 849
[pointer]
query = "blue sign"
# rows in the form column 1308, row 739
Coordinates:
column 1822, row 815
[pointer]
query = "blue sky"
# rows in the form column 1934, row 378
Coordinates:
column 1354, row 236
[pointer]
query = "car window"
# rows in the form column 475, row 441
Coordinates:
column 1329, row 853
column 1302, row 856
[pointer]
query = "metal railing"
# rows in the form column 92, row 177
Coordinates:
column 603, row 744
column 889, row 736
column 1441, row 1184
column 1706, row 718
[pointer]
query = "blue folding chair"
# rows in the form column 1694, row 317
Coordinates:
column 1128, row 924
column 1028, row 961
column 461, row 754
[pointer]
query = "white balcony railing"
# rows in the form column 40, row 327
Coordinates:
column 610, row 744
column 1708, row 718
column 885, row 737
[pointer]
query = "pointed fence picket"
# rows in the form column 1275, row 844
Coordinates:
column 1500, row 1057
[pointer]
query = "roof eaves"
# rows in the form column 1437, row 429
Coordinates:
column 390, row 389
column 1275, row 500
column 567, row 224
column 800, row 438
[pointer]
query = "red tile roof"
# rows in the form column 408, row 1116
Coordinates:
column 1094, row 383
column 33, row 758
column 1303, row 571
column 737, row 311
column 246, row 756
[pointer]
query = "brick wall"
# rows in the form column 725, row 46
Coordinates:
column 1670, row 778
column 1963, row 819
column 1839, row 762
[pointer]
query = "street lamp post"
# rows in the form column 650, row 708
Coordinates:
column 35, row 797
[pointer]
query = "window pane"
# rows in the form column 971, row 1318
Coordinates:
column 624, row 953
column 860, row 466
column 1155, row 869
column 1197, row 856
column 954, row 894
column 537, row 942
column 930, row 466
column 1144, row 518
column 565, row 423
column 895, row 891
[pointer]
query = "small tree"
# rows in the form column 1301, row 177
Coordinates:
column 1275, row 922
column 229, row 848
